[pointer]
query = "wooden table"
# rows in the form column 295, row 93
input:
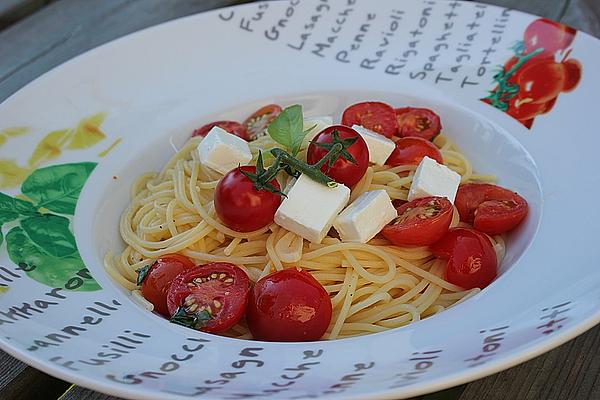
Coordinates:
column 37, row 35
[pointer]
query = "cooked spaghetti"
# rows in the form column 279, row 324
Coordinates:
column 373, row 287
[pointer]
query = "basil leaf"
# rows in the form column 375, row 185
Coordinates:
column 11, row 208
column 142, row 274
column 195, row 321
column 68, row 272
column 57, row 187
column 51, row 233
column 287, row 128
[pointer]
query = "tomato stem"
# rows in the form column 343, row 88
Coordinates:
column 312, row 171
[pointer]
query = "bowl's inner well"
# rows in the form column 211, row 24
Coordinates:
column 489, row 147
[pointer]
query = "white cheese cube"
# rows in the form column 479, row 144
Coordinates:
column 379, row 146
column 433, row 179
column 365, row 217
column 223, row 151
column 319, row 123
column 310, row 208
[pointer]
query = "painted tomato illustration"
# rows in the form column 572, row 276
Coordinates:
column 531, row 81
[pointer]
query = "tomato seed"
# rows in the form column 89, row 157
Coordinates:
column 217, row 303
column 221, row 276
column 214, row 276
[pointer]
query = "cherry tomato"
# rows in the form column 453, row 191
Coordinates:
column 215, row 293
column 343, row 170
column 572, row 74
column 490, row 208
column 549, row 35
column 411, row 150
column 257, row 123
column 288, row 306
column 418, row 122
column 376, row 116
column 240, row 206
column 158, row 280
column 471, row 258
column 522, row 110
column 232, row 127
column 541, row 81
column 420, row 222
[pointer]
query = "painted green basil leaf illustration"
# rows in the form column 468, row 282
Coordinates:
column 57, row 187
column 11, row 208
column 58, row 272
column 51, row 233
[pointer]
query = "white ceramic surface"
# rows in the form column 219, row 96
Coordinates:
column 155, row 86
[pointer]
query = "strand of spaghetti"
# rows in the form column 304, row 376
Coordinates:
column 231, row 246
column 373, row 299
column 427, row 275
column 289, row 248
column 367, row 275
column 180, row 178
column 361, row 327
column 411, row 314
column 215, row 258
column 337, row 326
column 341, row 295
column 170, row 218
column 271, row 250
column 362, row 185
column 114, row 274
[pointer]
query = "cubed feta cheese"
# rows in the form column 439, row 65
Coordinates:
column 222, row 151
column 379, row 146
column 319, row 123
column 433, row 179
column 365, row 217
column 310, row 208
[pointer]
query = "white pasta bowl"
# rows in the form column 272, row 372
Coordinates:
column 156, row 86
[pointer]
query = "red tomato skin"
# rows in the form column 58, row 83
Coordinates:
column 525, row 110
column 260, row 120
column 288, row 306
column 235, row 128
column 549, row 35
column 490, row 208
column 411, row 150
column 416, row 231
column 160, row 276
column 573, row 70
column 233, row 297
column 342, row 171
column 472, row 261
column 374, row 115
column 542, row 81
column 418, row 122
column 240, row 206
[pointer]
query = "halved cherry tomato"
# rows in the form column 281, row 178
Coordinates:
column 472, row 261
column 257, row 123
column 490, row 208
column 216, row 294
column 376, row 116
column 343, row 170
column 411, row 150
column 232, row 127
column 420, row 222
column 240, row 206
column 572, row 74
column 159, row 277
column 288, row 306
column 418, row 122
column 549, row 35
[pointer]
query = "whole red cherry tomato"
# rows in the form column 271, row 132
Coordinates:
column 257, row 123
column 232, row 127
column 240, row 206
column 418, row 122
column 288, row 306
column 411, row 150
column 344, row 170
column 420, row 222
column 572, row 74
column 374, row 115
column 549, row 35
column 210, row 298
column 472, row 261
column 157, row 279
column 490, row 208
